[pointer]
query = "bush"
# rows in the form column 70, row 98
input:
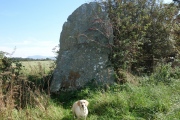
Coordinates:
column 16, row 91
column 144, row 33
column 163, row 74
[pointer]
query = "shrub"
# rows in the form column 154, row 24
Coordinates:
column 144, row 33
column 164, row 74
column 16, row 91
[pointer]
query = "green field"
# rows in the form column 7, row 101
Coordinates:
column 37, row 67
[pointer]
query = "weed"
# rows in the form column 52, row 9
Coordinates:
column 150, row 97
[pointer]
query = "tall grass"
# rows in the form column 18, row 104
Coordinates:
column 19, row 91
column 37, row 67
column 154, row 97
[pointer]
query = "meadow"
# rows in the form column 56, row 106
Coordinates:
column 36, row 67
column 154, row 97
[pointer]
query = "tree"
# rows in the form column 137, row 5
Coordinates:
column 176, row 30
column 142, row 32
column 176, row 1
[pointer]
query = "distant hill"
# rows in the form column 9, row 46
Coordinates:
column 41, row 57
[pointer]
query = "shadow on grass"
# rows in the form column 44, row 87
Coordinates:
column 67, row 118
column 67, row 98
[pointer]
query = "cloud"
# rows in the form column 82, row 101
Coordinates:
column 6, row 49
column 30, row 51
column 30, row 47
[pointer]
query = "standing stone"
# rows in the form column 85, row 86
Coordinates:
column 84, row 49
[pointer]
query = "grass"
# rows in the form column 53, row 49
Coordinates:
column 140, row 102
column 155, row 97
column 144, row 102
column 36, row 67
column 53, row 112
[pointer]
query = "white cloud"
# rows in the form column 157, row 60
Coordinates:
column 30, row 47
column 6, row 49
column 30, row 51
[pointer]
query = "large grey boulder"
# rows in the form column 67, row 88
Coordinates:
column 84, row 49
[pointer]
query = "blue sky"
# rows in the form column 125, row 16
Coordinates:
column 34, row 26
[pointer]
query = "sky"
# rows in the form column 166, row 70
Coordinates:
column 33, row 27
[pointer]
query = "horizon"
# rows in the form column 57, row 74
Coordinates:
column 30, row 28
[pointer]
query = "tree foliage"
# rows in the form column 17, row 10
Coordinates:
column 145, row 32
column 176, row 1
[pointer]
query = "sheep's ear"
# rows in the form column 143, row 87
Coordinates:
column 78, row 103
column 87, row 103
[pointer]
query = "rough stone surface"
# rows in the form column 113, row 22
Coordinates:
column 84, row 49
